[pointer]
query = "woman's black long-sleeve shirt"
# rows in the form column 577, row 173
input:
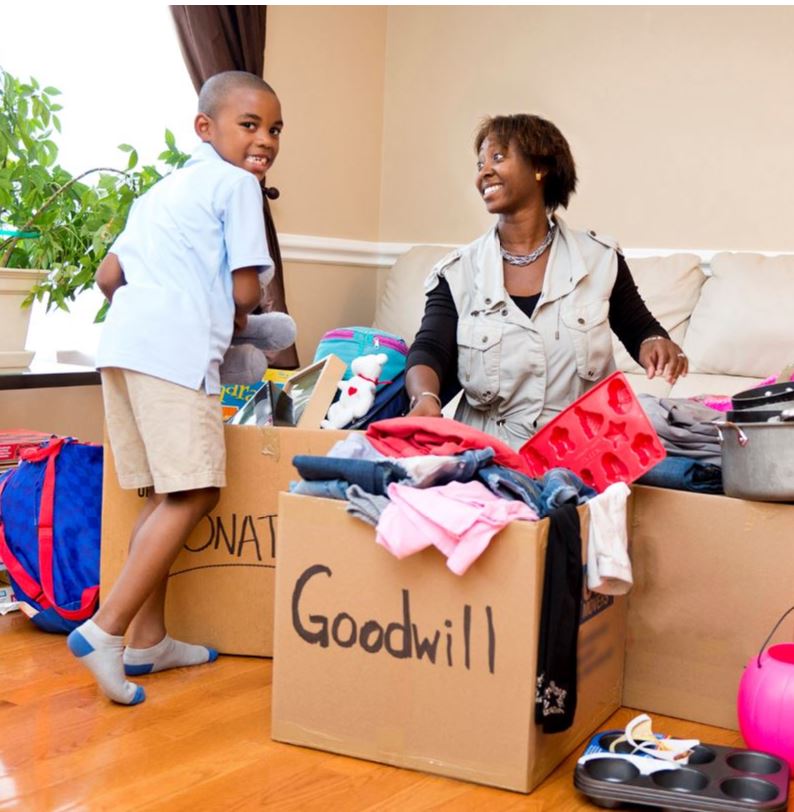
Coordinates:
column 436, row 344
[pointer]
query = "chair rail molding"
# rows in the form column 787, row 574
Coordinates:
column 336, row 251
column 340, row 251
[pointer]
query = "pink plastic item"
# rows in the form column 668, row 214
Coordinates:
column 765, row 704
column 604, row 437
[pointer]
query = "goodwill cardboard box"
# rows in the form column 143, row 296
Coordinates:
column 405, row 663
column 712, row 575
column 220, row 590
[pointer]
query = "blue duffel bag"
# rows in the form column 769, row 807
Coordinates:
column 50, row 522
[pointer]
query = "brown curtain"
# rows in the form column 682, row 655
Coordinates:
column 219, row 38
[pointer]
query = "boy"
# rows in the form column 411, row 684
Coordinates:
column 181, row 276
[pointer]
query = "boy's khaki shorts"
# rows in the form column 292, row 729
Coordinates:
column 162, row 434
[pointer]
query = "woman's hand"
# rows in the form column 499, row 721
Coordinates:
column 663, row 357
column 425, row 405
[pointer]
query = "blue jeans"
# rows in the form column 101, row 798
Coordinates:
column 325, row 488
column 557, row 487
column 372, row 476
column 561, row 487
column 684, row 474
column 461, row 467
column 513, row 485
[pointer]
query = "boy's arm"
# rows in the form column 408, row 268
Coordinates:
column 246, row 293
column 110, row 276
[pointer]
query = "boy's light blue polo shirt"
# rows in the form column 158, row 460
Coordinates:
column 183, row 239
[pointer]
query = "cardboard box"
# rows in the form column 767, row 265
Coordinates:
column 442, row 675
column 221, row 586
column 712, row 575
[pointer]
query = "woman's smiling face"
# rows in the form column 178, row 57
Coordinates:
column 505, row 180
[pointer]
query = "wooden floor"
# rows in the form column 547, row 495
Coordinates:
column 201, row 741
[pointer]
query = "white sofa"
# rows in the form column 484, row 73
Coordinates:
column 731, row 316
column 711, row 574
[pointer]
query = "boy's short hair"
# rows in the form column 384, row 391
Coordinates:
column 216, row 87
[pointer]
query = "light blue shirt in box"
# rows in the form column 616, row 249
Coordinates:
column 183, row 239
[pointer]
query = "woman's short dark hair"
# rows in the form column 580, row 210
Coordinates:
column 543, row 146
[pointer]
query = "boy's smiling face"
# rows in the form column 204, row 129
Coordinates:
column 245, row 130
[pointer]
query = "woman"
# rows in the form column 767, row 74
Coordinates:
column 521, row 318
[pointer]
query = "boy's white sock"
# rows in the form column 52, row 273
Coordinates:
column 101, row 654
column 168, row 653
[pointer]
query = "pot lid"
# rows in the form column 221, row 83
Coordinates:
column 764, row 396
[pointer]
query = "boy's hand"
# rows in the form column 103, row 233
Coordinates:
column 246, row 294
column 240, row 322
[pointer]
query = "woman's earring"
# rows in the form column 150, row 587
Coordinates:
column 538, row 176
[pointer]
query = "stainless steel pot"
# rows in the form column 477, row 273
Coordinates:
column 758, row 460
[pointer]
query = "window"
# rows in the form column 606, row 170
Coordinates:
column 122, row 80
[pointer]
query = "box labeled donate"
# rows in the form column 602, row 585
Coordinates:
column 220, row 590
column 405, row 663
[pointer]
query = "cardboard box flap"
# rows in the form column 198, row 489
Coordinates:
column 313, row 390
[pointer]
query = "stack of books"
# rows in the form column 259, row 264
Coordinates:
column 235, row 396
column 14, row 441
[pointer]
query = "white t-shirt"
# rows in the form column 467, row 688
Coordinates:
column 183, row 239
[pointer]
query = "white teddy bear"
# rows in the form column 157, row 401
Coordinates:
column 245, row 360
column 357, row 393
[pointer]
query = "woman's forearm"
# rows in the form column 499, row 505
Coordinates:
column 423, row 387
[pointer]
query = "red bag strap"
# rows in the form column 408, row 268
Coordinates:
column 90, row 595
column 44, row 593
column 29, row 585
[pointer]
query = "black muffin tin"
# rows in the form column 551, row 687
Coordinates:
column 716, row 778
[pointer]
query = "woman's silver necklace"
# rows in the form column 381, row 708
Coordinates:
column 527, row 259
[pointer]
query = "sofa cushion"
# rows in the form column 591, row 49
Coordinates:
column 670, row 287
column 701, row 383
column 741, row 322
column 402, row 303
column 658, row 387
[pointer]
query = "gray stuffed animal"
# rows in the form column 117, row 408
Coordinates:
column 245, row 361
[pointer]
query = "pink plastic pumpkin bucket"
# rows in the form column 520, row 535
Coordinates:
column 765, row 703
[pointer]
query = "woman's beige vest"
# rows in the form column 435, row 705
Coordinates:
column 519, row 372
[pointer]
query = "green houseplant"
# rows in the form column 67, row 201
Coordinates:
column 51, row 221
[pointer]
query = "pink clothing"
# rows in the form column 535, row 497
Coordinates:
column 460, row 519
column 719, row 402
column 724, row 404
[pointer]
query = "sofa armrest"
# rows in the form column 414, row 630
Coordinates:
column 401, row 305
